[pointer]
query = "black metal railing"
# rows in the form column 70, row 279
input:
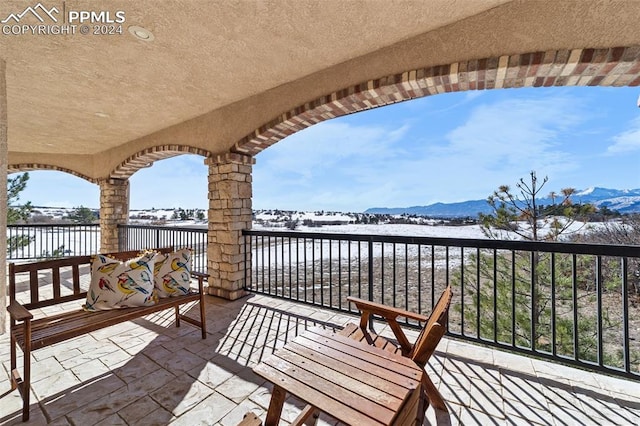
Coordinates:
column 574, row 303
column 41, row 241
column 140, row 237
column 45, row 241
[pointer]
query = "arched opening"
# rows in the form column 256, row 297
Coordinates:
column 617, row 66
column 59, row 189
column 147, row 157
column 173, row 190
column 62, row 219
column 453, row 148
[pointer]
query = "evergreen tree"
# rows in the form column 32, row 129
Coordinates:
column 526, row 298
column 82, row 215
column 15, row 186
column 17, row 213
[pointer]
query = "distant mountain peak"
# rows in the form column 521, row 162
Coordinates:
column 622, row 200
column 586, row 191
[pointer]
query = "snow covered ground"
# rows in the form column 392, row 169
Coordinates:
column 435, row 231
column 466, row 231
column 48, row 240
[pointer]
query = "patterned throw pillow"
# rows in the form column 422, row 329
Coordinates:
column 116, row 284
column 172, row 273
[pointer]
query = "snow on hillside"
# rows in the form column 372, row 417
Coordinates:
column 587, row 191
column 326, row 222
column 468, row 231
column 433, row 231
column 619, row 203
column 621, row 200
column 158, row 214
column 51, row 239
column 55, row 213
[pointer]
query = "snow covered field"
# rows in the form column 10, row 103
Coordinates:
column 465, row 231
column 83, row 241
column 434, row 231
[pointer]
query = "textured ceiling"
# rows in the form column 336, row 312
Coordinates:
column 216, row 70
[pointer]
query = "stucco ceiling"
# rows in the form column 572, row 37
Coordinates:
column 216, row 70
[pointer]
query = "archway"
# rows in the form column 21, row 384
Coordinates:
column 618, row 66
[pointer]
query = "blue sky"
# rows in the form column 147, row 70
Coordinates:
column 444, row 148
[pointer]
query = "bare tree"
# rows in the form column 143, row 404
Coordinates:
column 522, row 213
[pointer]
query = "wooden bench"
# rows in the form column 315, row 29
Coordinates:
column 30, row 333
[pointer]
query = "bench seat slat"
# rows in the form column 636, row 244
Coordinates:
column 57, row 328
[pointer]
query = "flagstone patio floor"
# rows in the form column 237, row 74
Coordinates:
column 148, row 372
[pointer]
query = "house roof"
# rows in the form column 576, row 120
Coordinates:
column 215, row 71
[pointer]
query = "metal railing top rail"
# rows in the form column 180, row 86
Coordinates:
column 52, row 225
column 532, row 246
column 166, row 228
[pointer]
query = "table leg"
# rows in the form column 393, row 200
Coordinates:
column 275, row 406
column 308, row 416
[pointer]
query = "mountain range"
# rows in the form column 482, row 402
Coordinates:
column 621, row 200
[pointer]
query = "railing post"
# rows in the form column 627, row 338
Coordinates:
column 121, row 232
column 247, row 247
column 370, row 267
column 370, row 275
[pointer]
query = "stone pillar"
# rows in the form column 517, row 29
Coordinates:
column 4, row 154
column 229, row 213
column 114, row 211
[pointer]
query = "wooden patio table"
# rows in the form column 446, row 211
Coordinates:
column 356, row 383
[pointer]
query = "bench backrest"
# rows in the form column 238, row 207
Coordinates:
column 48, row 291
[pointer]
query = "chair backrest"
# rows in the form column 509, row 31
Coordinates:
column 433, row 330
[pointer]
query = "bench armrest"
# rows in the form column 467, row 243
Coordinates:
column 19, row 312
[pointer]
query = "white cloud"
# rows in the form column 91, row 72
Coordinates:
column 503, row 141
column 354, row 167
column 329, row 164
column 469, row 97
column 327, row 144
column 626, row 141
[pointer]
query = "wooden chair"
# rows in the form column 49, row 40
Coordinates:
column 250, row 419
column 425, row 344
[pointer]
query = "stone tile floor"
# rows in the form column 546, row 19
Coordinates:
column 148, row 372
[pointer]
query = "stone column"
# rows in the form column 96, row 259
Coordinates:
column 229, row 213
column 114, row 211
column 4, row 154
